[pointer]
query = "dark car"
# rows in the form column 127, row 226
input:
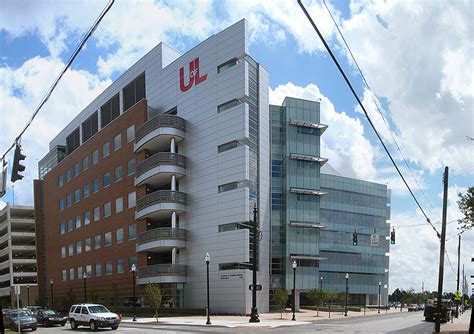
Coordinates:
column 49, row 317
column 27, row 321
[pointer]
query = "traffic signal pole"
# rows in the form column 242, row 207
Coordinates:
column 457, row 282
column 441, row 252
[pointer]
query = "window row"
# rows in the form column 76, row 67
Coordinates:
column 105, row 268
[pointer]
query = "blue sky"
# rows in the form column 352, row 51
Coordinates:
column 414, row 55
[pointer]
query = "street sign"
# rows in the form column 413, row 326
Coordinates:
column 374, row 240
column 259, row 287
column 457, row 295
column 17, row 289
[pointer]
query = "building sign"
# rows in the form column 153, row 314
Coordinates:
column 374, row 240
column 232, row 276
column 194, row 77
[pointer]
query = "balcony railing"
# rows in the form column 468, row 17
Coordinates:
column 161, row 196
column 162, row 270
column 161, row 233
column 161, row 158
column 160, row 121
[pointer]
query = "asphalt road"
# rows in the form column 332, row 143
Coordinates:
column 395, row 323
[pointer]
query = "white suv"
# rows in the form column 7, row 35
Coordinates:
column 94, row 316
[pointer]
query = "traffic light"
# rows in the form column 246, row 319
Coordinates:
column 354, row 238
column 392, row 237
column 17, row 167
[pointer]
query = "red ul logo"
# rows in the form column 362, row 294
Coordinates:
column 194, row 76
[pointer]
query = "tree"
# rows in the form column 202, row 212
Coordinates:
column 281, row 298
column 69, row 299
column 317, row 297
column 466, row 205
column 114, row 295
column 93, row 296
column 41, row 300
column 153, row 296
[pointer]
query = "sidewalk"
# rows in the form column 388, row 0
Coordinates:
column 267, row 320
column 459, row 325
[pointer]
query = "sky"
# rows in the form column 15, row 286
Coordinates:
column 417, row 57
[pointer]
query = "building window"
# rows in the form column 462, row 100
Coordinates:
column 132, row 261
column 77, row 195
column 306, row 198
column 307, row 131
column 63, row 252
column 132, row 199
column 98, row 269
column 90, row 126
column 85, row 191
column 228, row 186
column 95, row 157
column 68, row 175
column 87, row 218
column 228, row 146
column 105, row 150
column 130, row 133
column 109, row 111
column 70, row 225
column 106, row 180
column 75, row 170
column 132, row 232
column 96, row 213
column 71, row 274
column 108, row 268
column 97, row 242
column 118, row 204
column 73, row 141
column 71, row 249
column 62, row 229
column 119, row 235
column 108, row 239
column 89, row 270
column 68, row 200
column 95, row 185
column 134, row 92
column 60, row 181
column 85, row 163
column 79, row 247
column 64, row 275
column 61, row 204
column 131, row 167
column 78, row 221
column 117, row 142
column 107, row 207
column 118, row 173
column 87, row 244
column 120, row 266
column 228, row 105
column 227, row 64
column 79, row 272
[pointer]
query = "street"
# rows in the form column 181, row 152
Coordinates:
column 395, row 323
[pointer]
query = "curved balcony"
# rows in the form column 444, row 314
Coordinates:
column 158, row 169
column 160, row 204
column 161, row 239
column 156, row 134
column 162, row 273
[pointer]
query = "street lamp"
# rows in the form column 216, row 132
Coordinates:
column 84, row 277
column 294, row 290
column 134, row 269
column 51, row 286
column 254, row 312
column 347, row 291
column 208, row 259
column 321, row 284
column 28, row 294
column 380, row 285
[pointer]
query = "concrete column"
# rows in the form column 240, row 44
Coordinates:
column 173, row 219
column 173, row 256
column 173, row 182
column 173, row 146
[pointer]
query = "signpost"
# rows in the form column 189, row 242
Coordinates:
column 17, row 293
column 374, row 240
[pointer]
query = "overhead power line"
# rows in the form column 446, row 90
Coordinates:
column 65, row 68
column 366, row 114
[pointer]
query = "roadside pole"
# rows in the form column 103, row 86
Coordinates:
column 457, row 282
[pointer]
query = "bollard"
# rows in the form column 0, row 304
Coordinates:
column 329, row 311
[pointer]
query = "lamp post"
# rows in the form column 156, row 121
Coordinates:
column 208, row 259
column 321, row 284
column 51, row 283
column 84, row 278
column 28, row 294
column 380, row 285
column 347, row 291
column 134, row 269
column 294, row 290
column 254, row 312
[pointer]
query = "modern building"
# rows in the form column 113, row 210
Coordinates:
column 316, row 212
column 17, row 254
column 160, row 169
column 166, row 166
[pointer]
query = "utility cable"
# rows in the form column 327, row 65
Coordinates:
column 65, row 68
column 377, row 105
column 366, row 114
column 452, row 268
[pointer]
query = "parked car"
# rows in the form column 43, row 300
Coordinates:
column 94, row 316
column 421, row 307
column 412, row 308
column 49, row 317
column 27, row 321
column 34, row 308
